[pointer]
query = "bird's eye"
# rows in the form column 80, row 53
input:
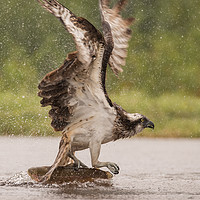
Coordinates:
column 142, row 120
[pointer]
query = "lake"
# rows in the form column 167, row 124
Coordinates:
column 149, row 169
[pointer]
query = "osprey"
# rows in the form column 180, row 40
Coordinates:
column 80, row 106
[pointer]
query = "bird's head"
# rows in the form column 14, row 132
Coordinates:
column 138, row 122
column 129, row 124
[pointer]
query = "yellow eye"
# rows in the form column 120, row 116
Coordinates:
column 142, row 120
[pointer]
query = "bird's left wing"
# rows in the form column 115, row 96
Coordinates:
column 120, row 30
column 85, row 35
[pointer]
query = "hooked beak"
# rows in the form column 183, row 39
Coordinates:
column 149, row 124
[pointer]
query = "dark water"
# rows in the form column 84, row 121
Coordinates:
column 150, row 169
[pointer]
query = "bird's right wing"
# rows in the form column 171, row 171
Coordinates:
column 121, row 33
column 63, row 88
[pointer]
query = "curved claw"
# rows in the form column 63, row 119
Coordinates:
column 77, row 162
column 114, row 168
column 44, row 178
column 77, row 165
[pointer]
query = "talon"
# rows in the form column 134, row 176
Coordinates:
column 114, row 168
column 44, row 179
column 77, row 163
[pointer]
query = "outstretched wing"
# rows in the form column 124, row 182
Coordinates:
column 85, row 35
column 57, row 92
column 63, row 88
column 121, row 32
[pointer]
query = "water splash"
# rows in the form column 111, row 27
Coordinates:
column 19, row 179
column 22, row 179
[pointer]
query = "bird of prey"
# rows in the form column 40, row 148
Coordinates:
column 76, row 92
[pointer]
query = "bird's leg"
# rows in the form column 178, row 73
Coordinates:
column 95, row 151
column 64, row 148
column 77, row 162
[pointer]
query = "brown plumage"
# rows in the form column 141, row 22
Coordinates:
column 76, row 92
column 56, row 92
column 55, row 88
column 120, row 31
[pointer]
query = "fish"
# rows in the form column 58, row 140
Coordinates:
column 67, row 174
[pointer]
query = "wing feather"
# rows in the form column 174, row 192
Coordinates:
column 59, row 88
column 63, row 89
column 85, row 35
column 121, row 32
column 57, row 92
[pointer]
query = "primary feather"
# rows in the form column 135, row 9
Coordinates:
column 120, row 30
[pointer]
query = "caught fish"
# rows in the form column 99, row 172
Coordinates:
column 64, row 174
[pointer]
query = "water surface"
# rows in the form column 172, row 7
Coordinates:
column 149, row 169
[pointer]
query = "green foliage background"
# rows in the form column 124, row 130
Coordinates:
column 160, row 80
